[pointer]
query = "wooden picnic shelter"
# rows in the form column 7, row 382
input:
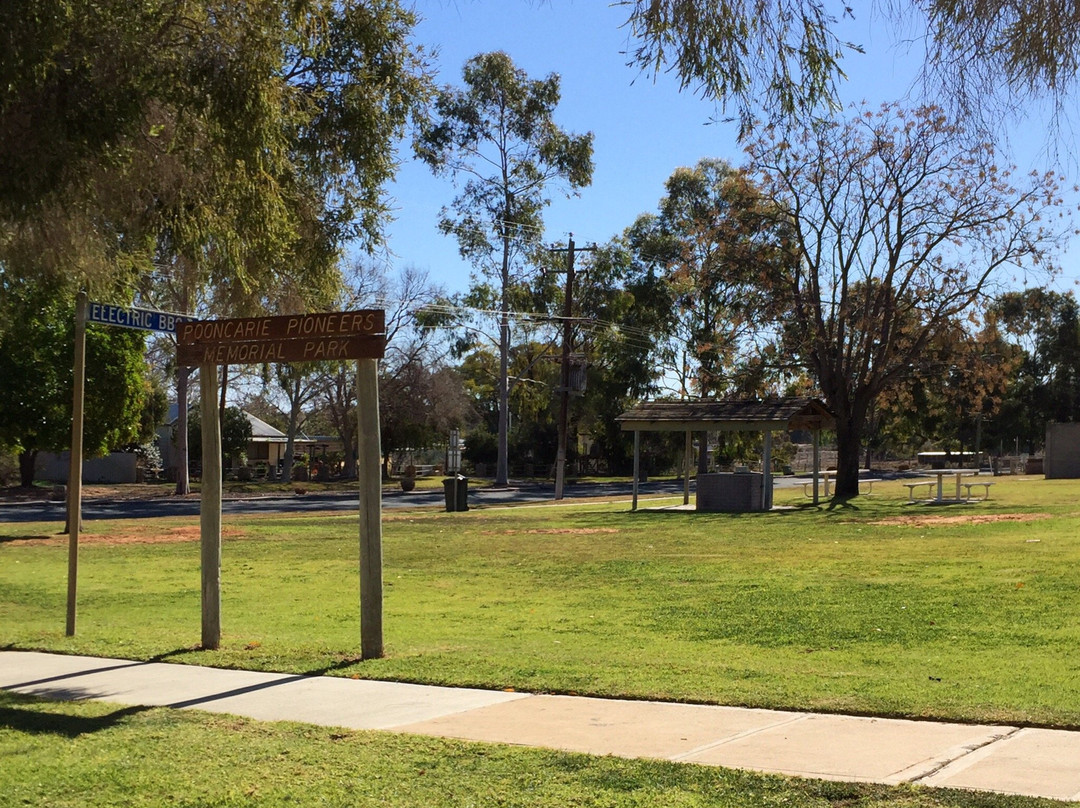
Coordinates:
column 729, row 415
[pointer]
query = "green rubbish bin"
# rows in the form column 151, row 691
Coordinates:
column 457, row 493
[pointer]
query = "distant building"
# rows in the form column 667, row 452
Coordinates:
column 267, row 443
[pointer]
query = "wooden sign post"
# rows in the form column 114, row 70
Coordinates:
column 338, row 336
column 210, row 508
column 99, row 314
column 74, row 503
column 369, row 469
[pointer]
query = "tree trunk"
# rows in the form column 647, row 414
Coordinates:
column 703, row 453
column 348, row 437
column 290, row 437
column 848, row 449
column 224, row 390
column 183, row 482
column 26, row 468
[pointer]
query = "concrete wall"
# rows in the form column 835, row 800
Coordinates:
column 118, row 467
column 1061, row 460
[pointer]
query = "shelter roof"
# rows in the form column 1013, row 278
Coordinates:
column 729, row 415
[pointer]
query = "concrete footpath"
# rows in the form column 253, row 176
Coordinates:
column 1033, row 762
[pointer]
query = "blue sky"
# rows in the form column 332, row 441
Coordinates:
column 644, row 128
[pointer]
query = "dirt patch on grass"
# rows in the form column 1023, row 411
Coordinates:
column 964, row 519
column 130, row 535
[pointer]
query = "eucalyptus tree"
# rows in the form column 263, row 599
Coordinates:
column 242, row 145
column 231, row 125
column 498, row 133
column 784, row 59
column 780, row 57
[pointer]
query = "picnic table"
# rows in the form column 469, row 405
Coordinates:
column 941, row 474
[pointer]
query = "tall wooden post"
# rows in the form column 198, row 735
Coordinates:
column 74, row 503
column 637, row 465
column 210, row 507
column 369, row 469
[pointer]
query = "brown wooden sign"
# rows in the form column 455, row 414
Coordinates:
column 281, row 350
column 288, row 326
column 287, row 338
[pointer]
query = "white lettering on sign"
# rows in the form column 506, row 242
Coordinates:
column 141, row 319
column 326, row 349
column 242, row 353
column 321, row 325
column 214, row 330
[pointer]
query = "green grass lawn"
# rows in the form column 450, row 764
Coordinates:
column 871, row 607
column 91, row 754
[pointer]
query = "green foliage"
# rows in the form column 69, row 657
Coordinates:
column 504, row 114
column 36, row 365
column 987, row 52
column 780, row 56
column 252, row 139
column 1045, row 326
column 235, row 434
column 628, row 307
column 711, row 242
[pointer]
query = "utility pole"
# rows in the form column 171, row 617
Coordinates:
column 564, row 375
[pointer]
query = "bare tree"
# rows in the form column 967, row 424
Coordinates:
column 402, row 297
column 900, row 227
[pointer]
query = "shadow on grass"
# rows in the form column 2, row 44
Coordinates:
column 27, row 537
column 17, row 713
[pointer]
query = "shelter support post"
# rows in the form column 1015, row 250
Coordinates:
column 688, row 456
column 637, row 466
column 817, row 462
column 766, row 477
column 210, row 507
column 369, row 469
